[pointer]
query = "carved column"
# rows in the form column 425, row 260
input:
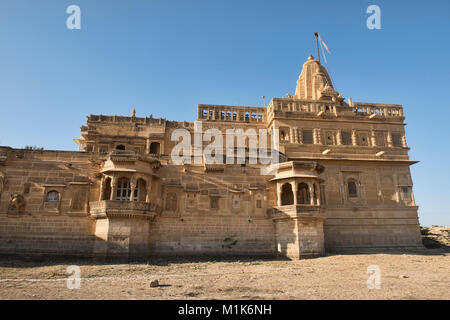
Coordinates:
column 339, row 137
column 354, row 142
column 102, row 188
column 113, row 187
column 373, row 139
column 317, row 136
column 294, row 190
column 279, row 194
column 291, row 138
column 318, row 194
column 133, row 184
column 311, row 193
column 389, row 139
column 300, row 136
column 295, row 135
column 404, row 145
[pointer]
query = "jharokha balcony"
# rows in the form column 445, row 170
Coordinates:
column 124, row 209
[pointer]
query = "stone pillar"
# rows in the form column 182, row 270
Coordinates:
column 354, row 142
column 317, row 136
column 318, row 194
column 133, row 184
column 339, row 137
column 102, row 188
column 279, row 194
column 311, row 193
column 389, row 139
column 295, row 135
column 291, row 136
column 113, row 187
column 404, row 145
column 373, row 139
column 294, row 191
column 147, row 146
column 300, row 136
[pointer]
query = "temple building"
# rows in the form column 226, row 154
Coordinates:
column 342, row 184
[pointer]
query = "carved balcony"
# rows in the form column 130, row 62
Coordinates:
column 123, row 209
column 298, row 211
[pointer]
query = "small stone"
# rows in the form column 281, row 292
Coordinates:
column 154, row 284
column 403, row 276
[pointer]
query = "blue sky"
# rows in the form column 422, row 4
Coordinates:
column 165, row 57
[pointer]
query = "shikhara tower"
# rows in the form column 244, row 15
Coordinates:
column 343, row 184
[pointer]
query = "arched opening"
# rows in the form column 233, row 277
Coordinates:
column 120, row 147
column 107, row 190
column 140, row 194
column 303, row 196
column 284, row 136
column 123, row 189
column 352, row 189
column 155, row 148
column 52, row 196
column 287, row 196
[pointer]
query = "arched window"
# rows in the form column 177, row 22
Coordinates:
column 303, row 196
column 284, row 136
column 120, row 147
column 287, row 196
column 123, row 189
column 155, row 148
column 52, row 196
column 352, row 189
column 171, row 202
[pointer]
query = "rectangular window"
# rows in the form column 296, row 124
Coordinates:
column 380, row 139
column 214, row 203
column 258, row 204
column 396, row 139
column 308, row 137
column 346, row 138
column 405, row 194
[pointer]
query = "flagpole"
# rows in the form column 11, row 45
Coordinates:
column 316, row 34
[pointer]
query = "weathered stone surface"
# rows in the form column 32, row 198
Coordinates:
column 344, row 184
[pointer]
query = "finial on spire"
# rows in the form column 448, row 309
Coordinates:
column 133, row 113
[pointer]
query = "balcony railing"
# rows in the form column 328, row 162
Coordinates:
column 123, row 208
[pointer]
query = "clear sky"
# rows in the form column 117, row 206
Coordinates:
column 165, row 57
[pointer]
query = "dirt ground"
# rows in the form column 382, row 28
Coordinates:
column 403, row 276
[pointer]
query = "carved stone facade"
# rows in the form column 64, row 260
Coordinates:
column 343, row 184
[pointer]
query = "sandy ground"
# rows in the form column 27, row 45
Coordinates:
column 403, row 276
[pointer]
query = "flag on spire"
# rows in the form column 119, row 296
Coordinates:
column 324, row 44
